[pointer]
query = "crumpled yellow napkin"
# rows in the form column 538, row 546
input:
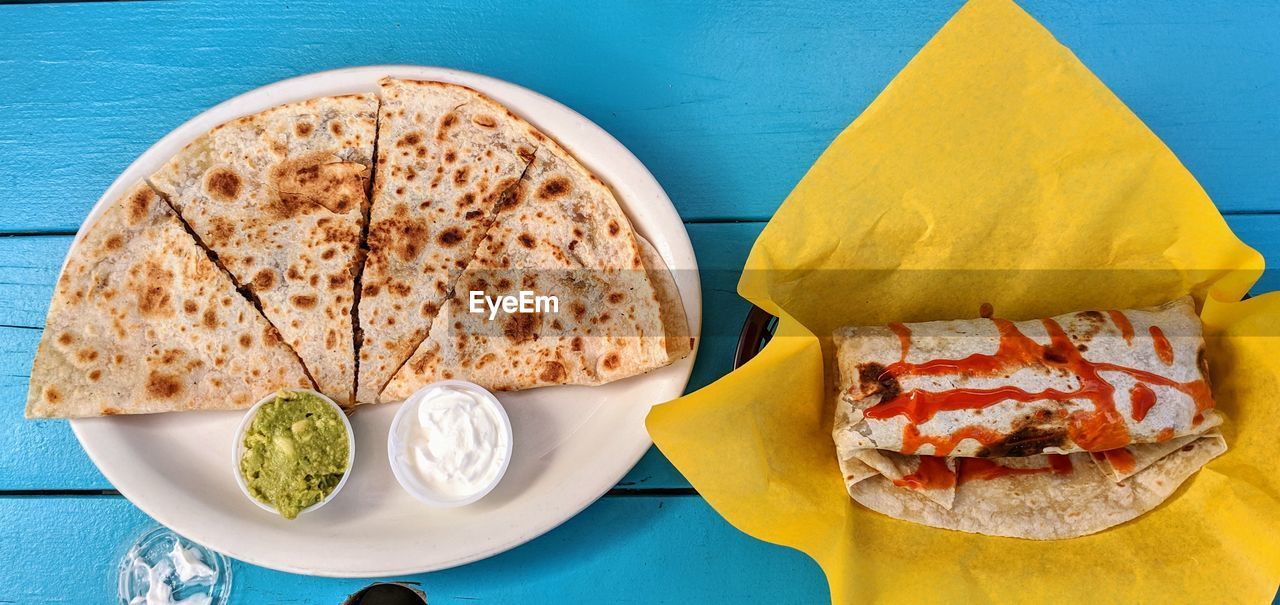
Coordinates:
column 995, row 168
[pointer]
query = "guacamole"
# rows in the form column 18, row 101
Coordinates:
column 295, row 452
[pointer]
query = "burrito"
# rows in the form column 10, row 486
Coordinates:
column 1042, row 429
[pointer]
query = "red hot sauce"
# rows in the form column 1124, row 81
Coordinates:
column 1101, row 428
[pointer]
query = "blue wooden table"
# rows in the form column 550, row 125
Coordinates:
column 727, row 105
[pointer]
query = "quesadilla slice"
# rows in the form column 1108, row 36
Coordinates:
column 1039, row 429
column 279, row 197
column 143, row 321
column 561, row 235
column 446, row 156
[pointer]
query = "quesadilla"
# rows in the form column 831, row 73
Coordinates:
column 279, row 197
column 1038, row 429
column 446, row 156
column 560, row 234
column 143, row 321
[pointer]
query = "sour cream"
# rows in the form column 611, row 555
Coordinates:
column 450, row 443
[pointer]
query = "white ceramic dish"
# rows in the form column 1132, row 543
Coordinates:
column 571, row 443
column 237, row 451
column 396, row 444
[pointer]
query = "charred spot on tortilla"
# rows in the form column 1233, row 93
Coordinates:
column 509, row 198
column 303, row 301
column 521, row 327
column 51, row 394
column 153, row 291
column 163, row 386
column 399, row 288
column 139, row 203
column 265, row 279
column 553, row 372
column 319, row 179
column 222, row 184
column 554, row 187
column 612, row 361
column 986, row 310
column 446, row 122
column 409, row 140
column 450, row 237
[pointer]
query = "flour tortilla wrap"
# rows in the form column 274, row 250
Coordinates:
column 142, row 321
column 561, row 234
column 1039, row 506
column 279, row 197
column 1040, row 429
column 446, row 156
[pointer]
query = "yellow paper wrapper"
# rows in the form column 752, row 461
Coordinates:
column 995, row 168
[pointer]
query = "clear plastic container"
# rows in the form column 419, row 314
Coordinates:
column 170, row 568
column 398, row 451
column 237, row 451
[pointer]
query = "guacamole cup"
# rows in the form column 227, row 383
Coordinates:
column 305, row 397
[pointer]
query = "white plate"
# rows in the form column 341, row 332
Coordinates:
column 571, row 443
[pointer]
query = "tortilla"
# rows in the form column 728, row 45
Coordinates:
column 561, row 234
column 446, row 156
column 143, row 321
column 279, row 198
column 675, row 324
column 1042, row 429
column 1042, row 506
column 1151, row 383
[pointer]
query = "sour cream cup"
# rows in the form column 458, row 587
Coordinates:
column 400, row 445
column 237, row 450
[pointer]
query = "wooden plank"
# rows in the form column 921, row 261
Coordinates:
column 632, row 549
column 728, row 108
column 45, row 454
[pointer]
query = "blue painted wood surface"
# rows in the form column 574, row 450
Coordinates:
column 727, row 104
column 44, row 455
column 633, row 549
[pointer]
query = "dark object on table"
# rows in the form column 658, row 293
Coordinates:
column 757, row 330
column 387, row 593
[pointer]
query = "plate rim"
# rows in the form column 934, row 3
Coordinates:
column 672, row 243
